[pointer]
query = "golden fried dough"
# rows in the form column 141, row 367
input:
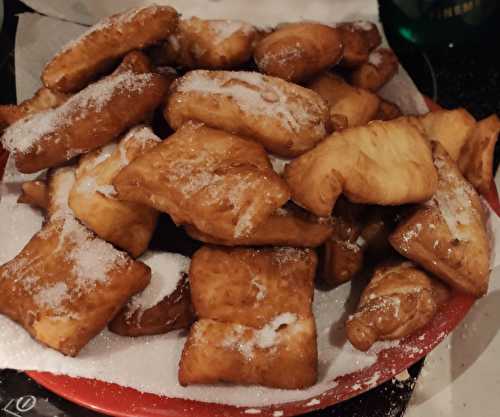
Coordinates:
column 388, row 111
column 399, row 300
column 357, row 105
column 341, row 261
column 447, row 236
column 252, row 286
column 451, row 128
column 298, row 51
column 127, row 225
column 342, row 254
column 222, row 184
column 88, row 120
column 358, row 39
column 287, row 226
column 386, row 163
column 134, row 61
column 209, row 44
column 164, row 305
column 66, row 284
column 84, row 59
column 476, row 156
column 43, row 99
column 381, row 66
column 35, row 193
column 286, row 118
column 228, row 352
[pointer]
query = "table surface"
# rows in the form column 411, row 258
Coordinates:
column 453, row 79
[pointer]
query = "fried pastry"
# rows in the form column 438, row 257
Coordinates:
column 287, row 226
column 208, row 44
column 286, row 118
column 66, row 284
column 43, row 99
column 222, row 184
column 127, row 225
column 387, row 111
column 359, row 39
column 134, row 61
column 84, row 59
column 451, row 128
column 164, row 305
column 252, row 286
column 342, row 254
column 447, row 236
column 358, row 106
column 476, row 156
column 399, row 300
column 35, row 194
column 88, row 120
column 381, row 66
column 386, row 163
column 228, row 352
column 298, row 51
column 341, row 261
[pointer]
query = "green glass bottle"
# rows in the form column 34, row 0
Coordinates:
column 442, row 22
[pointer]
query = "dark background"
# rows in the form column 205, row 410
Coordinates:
column 454, row 77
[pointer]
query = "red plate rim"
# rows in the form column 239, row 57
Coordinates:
column 115, row 400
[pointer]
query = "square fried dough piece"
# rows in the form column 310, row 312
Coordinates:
column 220, row 183
column 283, row 354
column 447, row 235
column 66, row 284
column 127, row 225
column 252, row 286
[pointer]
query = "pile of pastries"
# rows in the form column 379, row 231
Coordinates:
column 272, row 150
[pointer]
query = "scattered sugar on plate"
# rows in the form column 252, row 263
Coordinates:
column 312, row 402
column 167, row 270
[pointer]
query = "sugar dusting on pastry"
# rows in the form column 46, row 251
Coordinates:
column 453, row 200
column 246, row 339
column 224, row 29
column 254, row 94
column 23, row 135
column 166, row 272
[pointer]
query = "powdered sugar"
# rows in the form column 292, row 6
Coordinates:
column 363, row 25
column 116, row 21
column 23, row 135
column 313, row 401
column 453, row 198
column 166, row 272
column 278, row 163
column 265, row 338
column 261, row 289
column 223, row 29
column 52, row 296
column 256, row 94
column 375, row 58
